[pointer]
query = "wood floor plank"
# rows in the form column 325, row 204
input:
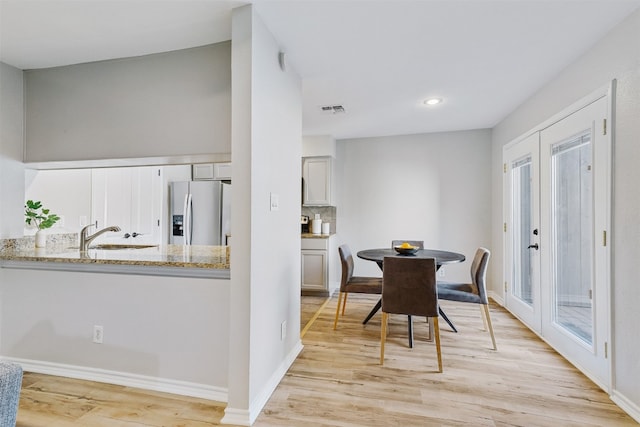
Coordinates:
column 337, row 381
column 524, row 383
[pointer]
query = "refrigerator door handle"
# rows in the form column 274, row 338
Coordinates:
column 186, row 227
column 189, row 229
column 190, row 217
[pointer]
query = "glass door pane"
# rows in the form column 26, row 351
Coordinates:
column 521, row 209
column 572, row 228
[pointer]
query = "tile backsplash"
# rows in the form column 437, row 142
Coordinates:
column 327, row 214
column 53, row 240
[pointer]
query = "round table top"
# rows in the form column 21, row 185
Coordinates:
column 441, row 257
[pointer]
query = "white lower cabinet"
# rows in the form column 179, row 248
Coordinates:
column 316, row 266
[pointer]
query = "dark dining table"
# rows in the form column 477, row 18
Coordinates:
column 441, row 258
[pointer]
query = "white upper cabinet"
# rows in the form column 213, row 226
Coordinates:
column 317, row 181
column 211, row 171
column 130, row 198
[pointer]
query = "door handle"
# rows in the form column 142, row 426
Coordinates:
column 534, row 246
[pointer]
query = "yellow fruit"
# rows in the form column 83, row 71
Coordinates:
column 406, row 245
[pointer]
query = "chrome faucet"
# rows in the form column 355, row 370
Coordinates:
column 86, row 239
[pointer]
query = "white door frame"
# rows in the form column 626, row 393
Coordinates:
column 604, row 276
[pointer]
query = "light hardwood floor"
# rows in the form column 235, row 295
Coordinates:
column 337, row 381
column 309, row 310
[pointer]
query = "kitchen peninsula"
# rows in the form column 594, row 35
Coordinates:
column 166, row 260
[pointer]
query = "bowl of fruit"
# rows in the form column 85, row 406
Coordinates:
column 406, row 249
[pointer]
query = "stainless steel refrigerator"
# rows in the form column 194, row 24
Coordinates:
column 200, row 212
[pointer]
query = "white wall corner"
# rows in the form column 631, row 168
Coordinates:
column 245, row 417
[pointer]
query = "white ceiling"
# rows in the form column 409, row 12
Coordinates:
column 379, row 59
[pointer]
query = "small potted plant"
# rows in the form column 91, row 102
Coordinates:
column 41, row 218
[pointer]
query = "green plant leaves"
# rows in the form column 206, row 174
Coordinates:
column 36, row 215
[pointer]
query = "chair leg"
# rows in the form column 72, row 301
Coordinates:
column 383, row 335
column 410, row 330
column 344, row 302
column 488, row 319
column 436, row 332
column 446, row 319
column 335, row 322
column 484, row 319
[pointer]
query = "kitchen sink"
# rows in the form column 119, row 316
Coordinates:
column 114, row 246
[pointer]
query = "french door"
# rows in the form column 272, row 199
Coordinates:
column 557, row 207
column 522, row 256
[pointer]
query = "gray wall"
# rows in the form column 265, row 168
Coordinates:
column 11, row 145
column 432, row 187
column 167, row 328
column 616, row 56
column 166, row 104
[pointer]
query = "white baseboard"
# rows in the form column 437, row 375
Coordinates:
column 497, row 298
column 245, row 417
column 166, row 385
column 628, row 406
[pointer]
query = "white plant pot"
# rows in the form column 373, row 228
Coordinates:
column 41, row 239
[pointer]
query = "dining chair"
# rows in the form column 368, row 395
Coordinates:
column 474, row 292
column 420, row 244
column 353, row 284
column 409, row 287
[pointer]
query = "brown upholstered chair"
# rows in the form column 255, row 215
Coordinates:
column 353, row 284
column 474, row 292
column 409, row 287
column 420, row 244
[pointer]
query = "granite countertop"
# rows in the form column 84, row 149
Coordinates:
column 316, row 236
column 23, row 253
column 214, row 257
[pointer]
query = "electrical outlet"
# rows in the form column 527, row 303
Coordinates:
column 283, row 330
column 98, row 333
column 441, row 272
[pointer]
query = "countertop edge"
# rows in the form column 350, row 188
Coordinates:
column 134, row 269
column 316, row 236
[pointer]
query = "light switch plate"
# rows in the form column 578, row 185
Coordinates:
column 274, row 202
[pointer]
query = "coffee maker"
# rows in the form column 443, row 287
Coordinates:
column 304, row 224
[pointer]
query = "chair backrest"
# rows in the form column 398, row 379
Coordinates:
column 346, row 259
column 479, row 272
column 409, row 286
column 418, row 243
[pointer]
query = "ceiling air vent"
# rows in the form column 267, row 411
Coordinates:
column 333, row 109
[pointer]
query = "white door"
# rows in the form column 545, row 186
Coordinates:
column 575, row 170
column 130, row 198
column 522, row 224
column 146, row 205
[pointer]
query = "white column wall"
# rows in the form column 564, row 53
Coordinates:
column 265, row 258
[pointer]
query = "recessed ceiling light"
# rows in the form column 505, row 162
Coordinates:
column 432, row 101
